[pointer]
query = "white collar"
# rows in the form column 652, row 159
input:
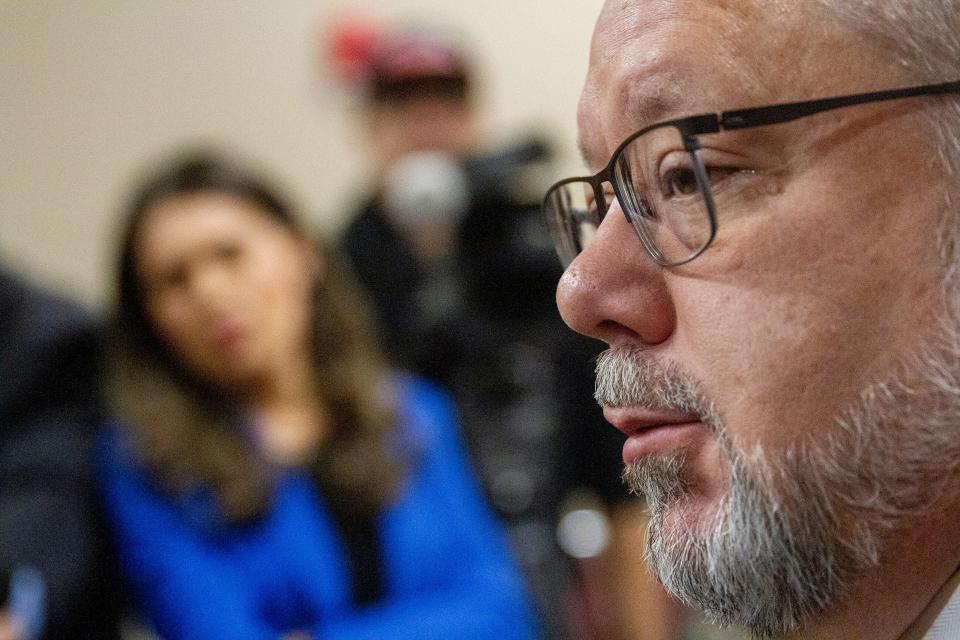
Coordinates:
column 947, row 624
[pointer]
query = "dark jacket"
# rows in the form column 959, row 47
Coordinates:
column 48, row 410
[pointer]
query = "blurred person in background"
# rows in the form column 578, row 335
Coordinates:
column 451, row 245
column 269, row 476
column 421, row 127
column 56, row 574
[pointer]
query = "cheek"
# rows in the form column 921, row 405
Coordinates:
column 784, row 349
column 283, row 298
column 816, row 295
column 177, row 324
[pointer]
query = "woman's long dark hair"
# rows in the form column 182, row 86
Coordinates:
column 187, row 430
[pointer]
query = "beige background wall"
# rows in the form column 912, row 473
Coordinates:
column 93, row 91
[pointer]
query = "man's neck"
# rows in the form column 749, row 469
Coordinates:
column 908, row 585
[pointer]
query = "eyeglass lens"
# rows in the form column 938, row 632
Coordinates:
column 573, row 216
column 661, row 193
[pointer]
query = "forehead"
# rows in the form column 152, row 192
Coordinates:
column 179, row 224
column 657, row 59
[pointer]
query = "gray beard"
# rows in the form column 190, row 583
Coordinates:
column 792, row 534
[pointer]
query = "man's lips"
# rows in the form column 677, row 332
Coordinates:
column 650, row 431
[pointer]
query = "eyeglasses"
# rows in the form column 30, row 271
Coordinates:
column 670, row 193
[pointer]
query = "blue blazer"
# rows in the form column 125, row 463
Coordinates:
column 446, row 566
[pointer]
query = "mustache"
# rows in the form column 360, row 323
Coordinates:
column 631, row 377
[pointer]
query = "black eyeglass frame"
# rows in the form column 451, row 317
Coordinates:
column 690, row 127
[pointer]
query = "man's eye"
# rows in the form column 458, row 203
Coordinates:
column 679, row 181
column 682, row 181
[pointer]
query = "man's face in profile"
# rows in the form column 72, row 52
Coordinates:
column 784, row 393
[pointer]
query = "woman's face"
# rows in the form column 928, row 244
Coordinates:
column 227, row 287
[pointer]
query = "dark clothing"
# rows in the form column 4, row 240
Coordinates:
column 418, row 308
column 48, row 410
column 363, row 548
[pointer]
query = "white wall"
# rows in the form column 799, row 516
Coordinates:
column 91, row 92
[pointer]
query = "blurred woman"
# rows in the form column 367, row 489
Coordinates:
column 268, row 477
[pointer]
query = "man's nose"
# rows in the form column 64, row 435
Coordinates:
column 614, row 291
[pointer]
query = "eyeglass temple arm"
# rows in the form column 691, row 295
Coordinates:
column 742, row 118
